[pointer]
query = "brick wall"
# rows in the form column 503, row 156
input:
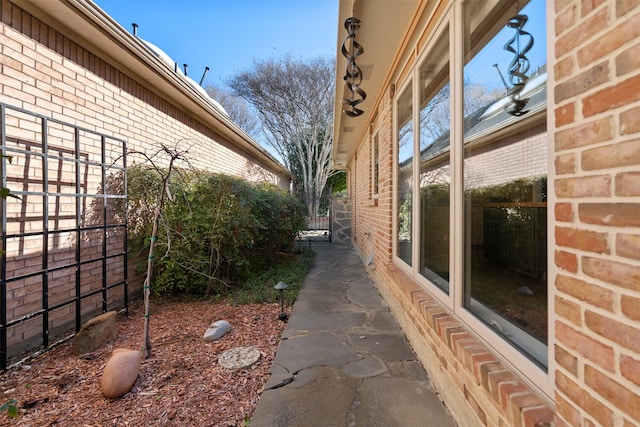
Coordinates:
column 372, row 224
column 44, row 72
column 597, row 212
column 521, row 155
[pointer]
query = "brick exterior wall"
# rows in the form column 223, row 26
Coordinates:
column 596, row 212
column 593, row 155
column 372, row 222
column 44, row 72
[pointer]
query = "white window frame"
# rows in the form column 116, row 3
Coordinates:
column 536, row 377
column 375, row 166
column 409, row 82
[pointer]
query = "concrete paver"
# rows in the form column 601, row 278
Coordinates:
column 343, row 359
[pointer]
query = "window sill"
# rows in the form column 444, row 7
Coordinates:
column 455, row 347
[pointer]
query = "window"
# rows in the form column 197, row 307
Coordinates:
column 375, row 166
column 434, row 179
column 477, row 236
column 505, row 169
column 404, row 230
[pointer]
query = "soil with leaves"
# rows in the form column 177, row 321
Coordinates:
column 181, row 384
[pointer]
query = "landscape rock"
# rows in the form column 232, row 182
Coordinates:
column 120, row 372
column 95, row 333
column 239, row 357
column 217, row 330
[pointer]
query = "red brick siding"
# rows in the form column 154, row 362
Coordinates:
column 597, row 155
column 594, row 239
column 44, row 72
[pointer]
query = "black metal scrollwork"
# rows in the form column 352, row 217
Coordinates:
column 351, row 49
column 519, row 67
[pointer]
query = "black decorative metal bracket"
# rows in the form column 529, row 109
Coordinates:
column 351, row 49
column 520, row 65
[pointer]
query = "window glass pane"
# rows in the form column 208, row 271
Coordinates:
column 405, row 174
column 505, row 173
column 435, row 119
column 374, row 165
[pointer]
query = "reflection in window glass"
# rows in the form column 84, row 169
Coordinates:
column 505, row 169
column 405, row 174
column 375, row 165
column 435, row 119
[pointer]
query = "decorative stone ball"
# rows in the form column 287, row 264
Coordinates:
column 121, row 372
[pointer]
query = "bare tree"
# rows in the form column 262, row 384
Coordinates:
column 174, row 155
column 294, row 100
column 238, row 109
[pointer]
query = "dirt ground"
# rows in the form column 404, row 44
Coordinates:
column 180, row 385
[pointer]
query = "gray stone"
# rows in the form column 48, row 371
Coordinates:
column 315, row 321
column 370, row 366
column 239, row 357
column 95, row 333
column 217, row 330
column 386, row 346
column 120, row 372
column 313, row 349
column 345, row 361
column 323, row 400
column 390, row 401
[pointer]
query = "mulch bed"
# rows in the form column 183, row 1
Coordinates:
column 180, row 385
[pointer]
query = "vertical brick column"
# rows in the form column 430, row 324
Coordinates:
column 596, row 137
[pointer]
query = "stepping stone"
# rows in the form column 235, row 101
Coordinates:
column 239, row 357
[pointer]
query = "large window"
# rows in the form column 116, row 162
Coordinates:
column 375, row 166
column 405, row 175
column 505, row 170
column 434, row 179
column 478, row 236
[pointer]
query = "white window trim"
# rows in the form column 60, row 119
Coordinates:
column 447, row 299
column 374, row 148
column 396, row 128
column 536, row 377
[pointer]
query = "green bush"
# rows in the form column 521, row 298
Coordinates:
column 260, row 287
column 217, row 230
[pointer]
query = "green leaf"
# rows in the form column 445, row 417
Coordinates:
column 12, row 411
column 4, row 192
column 10, row 407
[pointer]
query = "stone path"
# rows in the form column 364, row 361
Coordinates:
column 343, row 360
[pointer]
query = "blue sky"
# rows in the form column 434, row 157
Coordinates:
column 226, row 35
column 481, row 71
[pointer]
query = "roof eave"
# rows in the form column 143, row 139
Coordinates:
column 382, row 31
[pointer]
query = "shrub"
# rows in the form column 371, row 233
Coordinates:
column 218, row 230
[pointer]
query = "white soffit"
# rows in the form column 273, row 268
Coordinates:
column 384, row 24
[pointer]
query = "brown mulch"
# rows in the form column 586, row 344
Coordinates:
column 180, row 385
